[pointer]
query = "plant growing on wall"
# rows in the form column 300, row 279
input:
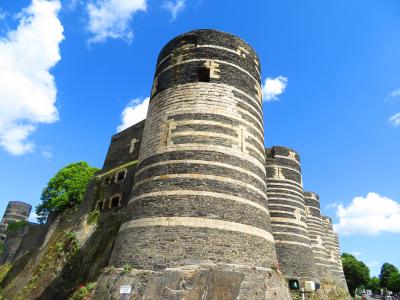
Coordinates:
column 65, row 190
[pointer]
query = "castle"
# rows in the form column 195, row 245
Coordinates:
column 193, row 183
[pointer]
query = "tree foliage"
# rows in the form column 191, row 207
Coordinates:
column 355, row 271
column 386, row 270
column 374, row 285
column 65, row 190
column 15, row 225
column 394, row 282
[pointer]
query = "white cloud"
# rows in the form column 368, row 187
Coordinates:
column 332, row 205
column 174, row 8
column 368, row 215
column 356, row 253
column 46, row 152
column 111, row 18
column 393, row 94
column 135, row 112
column 273, row 87
column 395, row 119
column 27, row 89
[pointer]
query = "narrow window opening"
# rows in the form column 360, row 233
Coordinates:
column 107, row 180
column 116, row 201
column 203, row 75
column 121, row 175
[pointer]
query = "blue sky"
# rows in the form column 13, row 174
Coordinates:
column 73, row 71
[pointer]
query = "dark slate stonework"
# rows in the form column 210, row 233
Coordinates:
column 288, row 213
column 117, row 176
column 199, row 192
column 316, row 232
column 16, row 211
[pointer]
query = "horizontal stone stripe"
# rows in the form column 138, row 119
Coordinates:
column 290, row 225
column 211, row 137
column 251, row 133
column 207, row 52
column 323, row 265
column 220, row 118
column 191, row 127
column 177, row 184
column 278, row 197
column 289, row 158
column 279, row 241
column 199, row 207
column 248, row 99
column 256, row 81
column 291, row 203
column 291, row 187
column 203, row 139
column 316, row 219
column 204, row 162
column 202, row 176
column 278, row 233
column 214, row 195
column 286, row 195
column 255, row 154
column 211, row 157
column 289, row 230
column 290, row 208
column 250, row 110
column 273, row 188
column 291, row 237
column 195, row 150
column 198, row 222
column 275, row 165
column 281, row 220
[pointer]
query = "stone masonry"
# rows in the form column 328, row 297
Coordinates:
column 288, row 213
column 15, row 211
column 316, row 232
column 200, row 192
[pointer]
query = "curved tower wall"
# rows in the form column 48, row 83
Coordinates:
column 316, row 233
column 15, row 211
column 200, row 191
column 331, row 248
column 288, row 214
column 339, row 258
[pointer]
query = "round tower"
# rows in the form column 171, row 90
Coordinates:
column 316, row 233
column 331, row 247
column 339, row 259
column 200, row 191
column 288, row 213
column 15, row 211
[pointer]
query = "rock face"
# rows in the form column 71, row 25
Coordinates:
column 200, row 189
column 194, row 282
column 288, row 213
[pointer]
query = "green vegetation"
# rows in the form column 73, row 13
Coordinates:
column 358, row 278
column 93, row 217
column 355, row 271
column 65, row 190
column 4, row 270
column 15, row 225
column 83, row 291
column 127, row 268
column 59, row 252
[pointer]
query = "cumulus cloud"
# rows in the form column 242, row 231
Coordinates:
column 27, row 89
column 356, row 253
column 395, row 119
column 369, row 215
column 135, row 112
column 109, row 19
column 273, row 87
column 174, row 8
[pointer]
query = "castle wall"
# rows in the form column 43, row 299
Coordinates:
column 288, row 213
column 316, row 233
column 200, row 191
column 339, row 259
column 16, row 211
column 111, row 187
column 331, row 248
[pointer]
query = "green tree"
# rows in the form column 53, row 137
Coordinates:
column 394, row 282
column 65, row 190
column 386, row 270
column 355, row 271
column 374, row 285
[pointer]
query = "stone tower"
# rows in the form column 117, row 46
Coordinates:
column 316, row 232
column 332, row 249
column 288, row 213
column 200, row 192
column 15, row 211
